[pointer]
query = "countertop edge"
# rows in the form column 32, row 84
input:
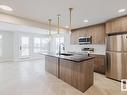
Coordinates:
column 74, row 60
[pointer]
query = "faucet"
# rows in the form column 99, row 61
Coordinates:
column 61, row 44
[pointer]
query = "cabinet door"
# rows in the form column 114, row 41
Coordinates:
column 99, row 65
column 99, row 35
column 113, row 26
column 109, row 27
column 117, row 25
column 124, row 24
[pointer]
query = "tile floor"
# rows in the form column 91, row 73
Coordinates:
column 30, row 78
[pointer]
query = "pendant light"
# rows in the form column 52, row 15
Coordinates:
column 49, row 21
column 58, row 17
column 70, row 27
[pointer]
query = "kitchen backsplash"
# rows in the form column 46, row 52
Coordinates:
column 98, row 49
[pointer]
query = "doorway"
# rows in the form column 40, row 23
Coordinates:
column 24, row 47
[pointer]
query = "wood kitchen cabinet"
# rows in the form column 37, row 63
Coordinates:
column 117, row 25
column 97, row 32
column 51, row 65
column 79, row 75
column 99, row 64
column 76, row 72
column 99, row 35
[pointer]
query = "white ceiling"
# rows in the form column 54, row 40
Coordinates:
column 20, row 28
column 96, row 11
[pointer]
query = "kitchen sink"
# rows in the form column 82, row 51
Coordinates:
column 66, row 54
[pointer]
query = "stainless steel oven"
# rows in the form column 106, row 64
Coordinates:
column 85, row 40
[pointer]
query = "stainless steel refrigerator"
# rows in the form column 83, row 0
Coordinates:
column 116, row 57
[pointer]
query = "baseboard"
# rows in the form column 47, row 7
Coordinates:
column 20, row 60
column 27, row 59
column 6, row 60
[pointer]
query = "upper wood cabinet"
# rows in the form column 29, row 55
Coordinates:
column 97, row 32
column 117, row 25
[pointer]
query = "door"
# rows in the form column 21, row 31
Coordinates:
column 24, row 47
column 116, row 65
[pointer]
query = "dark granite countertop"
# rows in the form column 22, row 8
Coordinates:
column 75, row 57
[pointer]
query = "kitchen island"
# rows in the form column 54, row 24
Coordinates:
column 74, row 69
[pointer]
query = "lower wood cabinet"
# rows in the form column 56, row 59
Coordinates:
column 51, row 65
column 100, row 64
column 79, row 75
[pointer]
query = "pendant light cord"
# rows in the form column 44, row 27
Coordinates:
column 70, row 9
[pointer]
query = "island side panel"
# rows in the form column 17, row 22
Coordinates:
column 79, row 75
column 65, row 71
column 86, row 75
column 51, row 65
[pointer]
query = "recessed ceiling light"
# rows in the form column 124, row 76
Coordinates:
column 86, row 20
column 7, row 8
column 0, row 36
column 67, row 26
column 121, row 10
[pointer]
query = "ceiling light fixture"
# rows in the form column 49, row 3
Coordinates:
column 67, row 26
column 0, row 36
column 6, row 8
column 121, row 10
column 86, row 21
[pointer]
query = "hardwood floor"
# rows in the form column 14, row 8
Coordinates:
column 30, row 78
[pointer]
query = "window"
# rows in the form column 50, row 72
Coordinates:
column 0, row 45
column 41, row 44
column 37, row 45
column 44, row 44
column 24, row 46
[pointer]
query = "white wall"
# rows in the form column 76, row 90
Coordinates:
column 17, row 36
column 11, row 39
column 23, row 21
column 10, row 45
column 7, row 46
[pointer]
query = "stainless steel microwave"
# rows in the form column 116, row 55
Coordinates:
column 85, row 40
